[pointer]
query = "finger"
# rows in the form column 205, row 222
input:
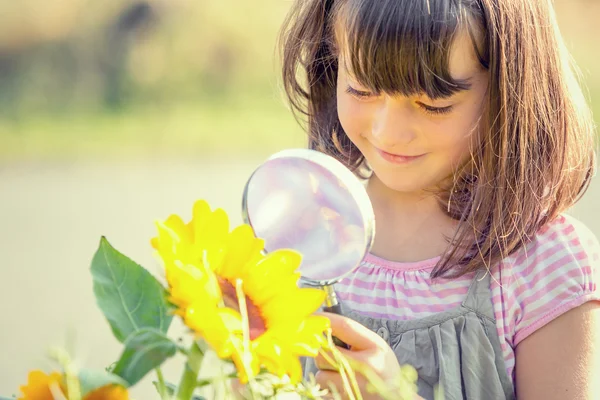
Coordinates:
column 330, row 380
column 351, row 332
column 326, row 354
column 323, row 363
column 333, row 382
column 326, row 361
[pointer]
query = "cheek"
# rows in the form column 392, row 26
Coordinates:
column 457, row 141
column 467, row 132
column 352, row 116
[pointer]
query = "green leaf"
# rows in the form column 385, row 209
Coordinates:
column 90, row 380
column 172, row 388
column 145, row 350
column 128, row 295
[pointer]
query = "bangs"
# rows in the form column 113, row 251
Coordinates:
column 401, row 47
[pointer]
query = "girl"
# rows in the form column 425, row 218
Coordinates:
column 466, row 120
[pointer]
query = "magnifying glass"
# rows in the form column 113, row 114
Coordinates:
column 308, row 201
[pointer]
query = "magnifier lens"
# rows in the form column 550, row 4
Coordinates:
column 309, row 202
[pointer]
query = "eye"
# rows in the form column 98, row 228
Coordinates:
column 360, row 94
column 435, row 110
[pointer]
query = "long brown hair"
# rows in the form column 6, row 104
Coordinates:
column 537, row 151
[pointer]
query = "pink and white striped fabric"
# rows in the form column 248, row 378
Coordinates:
column 556, row 272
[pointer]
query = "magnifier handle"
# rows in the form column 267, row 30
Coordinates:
column 336, row 309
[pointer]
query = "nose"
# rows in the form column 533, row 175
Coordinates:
column 392, row 124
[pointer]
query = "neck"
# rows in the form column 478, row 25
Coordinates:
column 410, row 226
column 405, row 205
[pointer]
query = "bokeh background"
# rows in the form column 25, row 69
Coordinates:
column 116, row 113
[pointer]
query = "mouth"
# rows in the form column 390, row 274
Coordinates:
column 398, row 158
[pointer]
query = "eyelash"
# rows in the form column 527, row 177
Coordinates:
column 428, row 109
column 436, row 110
column 359, row 93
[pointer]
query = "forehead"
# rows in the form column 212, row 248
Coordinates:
column 463, row 62
column 395, row 52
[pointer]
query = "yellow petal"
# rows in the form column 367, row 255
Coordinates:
column 278, row 359
column 310, row 336
column 38, row 385
column 231, row 319
column 274, row 269
column 215, row 255
column 293, row 368
column 295, row 304
column 310, row 329
column 196, row 282
column 242, row 247
column 191, row 285
column 109, row 392
column 266, row 289
column 213, row 227
column 315, row 323
column 245, row 370
column 176, row 224
column 182, row 232
column 270, row 354
column 305, row 348
column 193, row 291
column 218, row 326
column 279, row 262
column 165, row 242
column 200, row 218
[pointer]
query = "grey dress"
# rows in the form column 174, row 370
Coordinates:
column 459, row 349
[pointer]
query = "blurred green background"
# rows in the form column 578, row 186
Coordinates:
column 182, row 77
column 116, row 113
column 132, row 78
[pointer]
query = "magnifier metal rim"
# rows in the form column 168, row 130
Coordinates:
column 357, row 191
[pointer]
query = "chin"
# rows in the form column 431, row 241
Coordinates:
column 404, row 184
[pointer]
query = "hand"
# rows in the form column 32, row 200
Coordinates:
column 366, row 347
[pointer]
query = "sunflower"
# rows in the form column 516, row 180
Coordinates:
column 207, row 266
column 40, row 386
column 108, row 392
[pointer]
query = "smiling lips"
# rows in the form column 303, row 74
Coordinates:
column 397, row 159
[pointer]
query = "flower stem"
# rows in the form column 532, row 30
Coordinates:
column 71, row 374
column 245, row 328
column 162, row 389
column 239, row 290
column 187, row 384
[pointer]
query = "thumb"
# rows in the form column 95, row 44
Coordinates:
column 358, row 336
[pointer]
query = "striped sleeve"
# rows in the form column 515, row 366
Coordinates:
column 555, row 273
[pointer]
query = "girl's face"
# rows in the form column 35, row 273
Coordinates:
column 413, row 143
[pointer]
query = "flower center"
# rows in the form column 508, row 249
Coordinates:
column 256, row 322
